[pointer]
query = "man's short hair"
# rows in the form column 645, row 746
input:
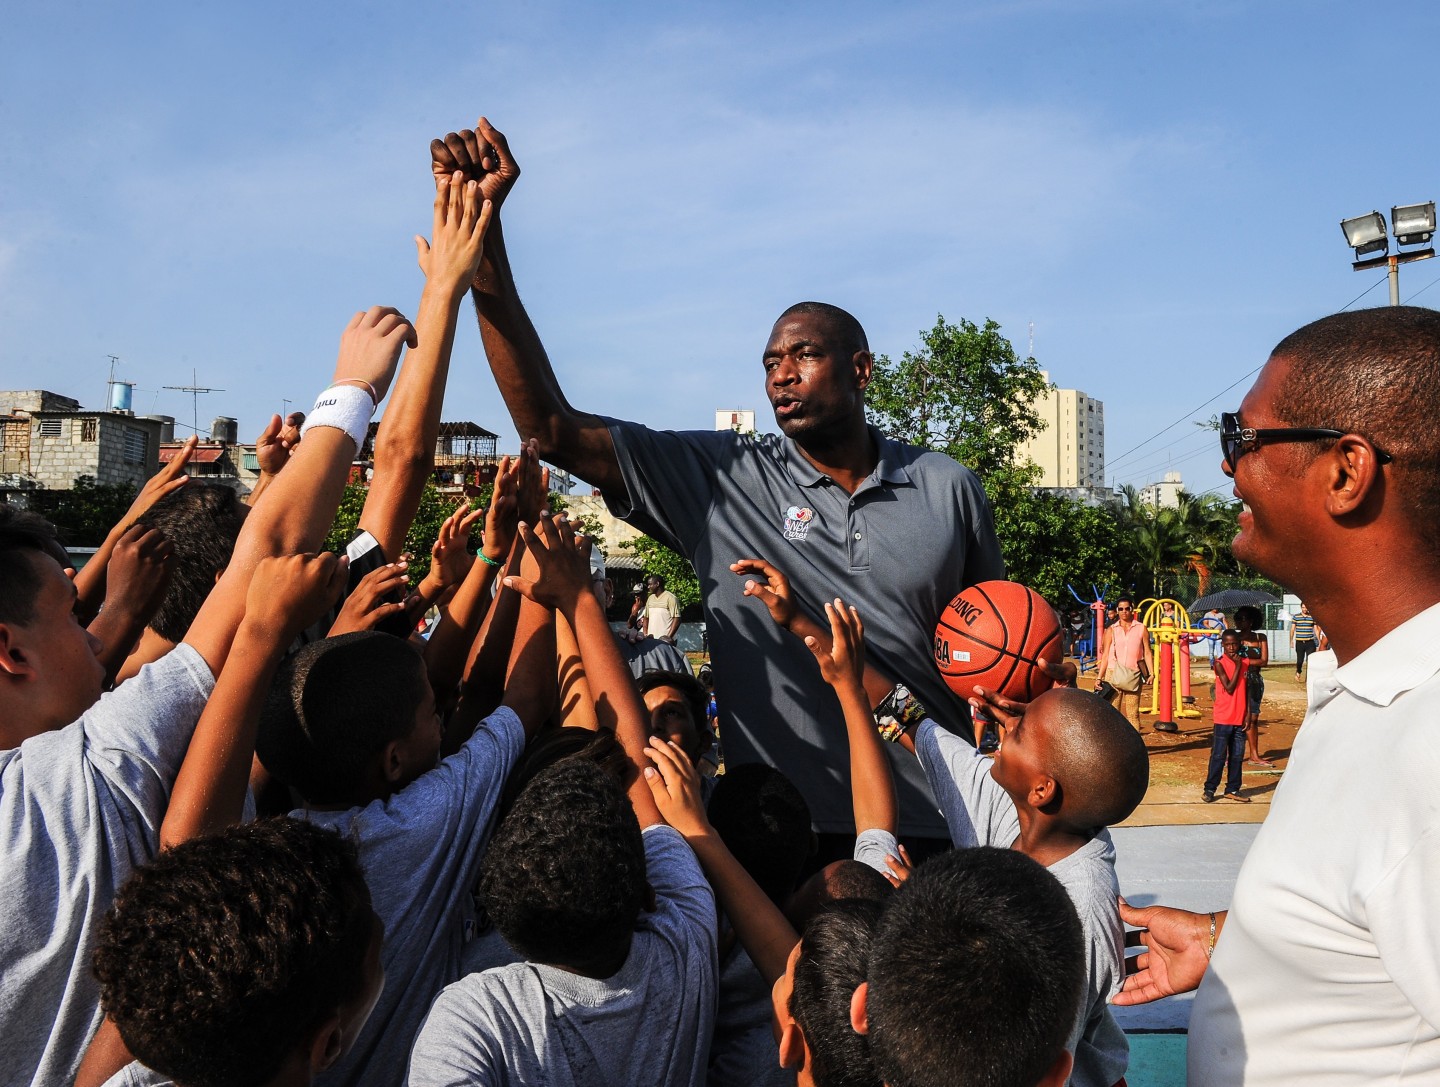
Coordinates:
column 333, row 707
column 24, row 537
column 976, row 973
column 202, row 521
column 851, row 333
column 834, row 960
column 222, row 956
column 656, row 577
column 564, row 877
column 553, row 745
column 1376, row 373
column 695, row 696
column 1097, row 757
column 764, row 821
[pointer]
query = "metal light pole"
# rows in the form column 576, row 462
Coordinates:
column 1412, row 224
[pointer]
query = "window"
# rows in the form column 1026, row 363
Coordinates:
column 50, row 428
column 88, row 428
column 252, row 462
column 135, row 446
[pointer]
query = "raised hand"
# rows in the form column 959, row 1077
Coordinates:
column 532, row 496
column 370, row 348
column 773, row 592
column 461, row 219
column 900, row 867
column 503, row 514
column 450, row 558
column 139, row 572
column 278, row 441
column 289, row 592
column 562, row 561
column 676, row 787
column 168, row 480
column 367, row 606
column 1178, row 945
column 482, row 155
column 843, row 662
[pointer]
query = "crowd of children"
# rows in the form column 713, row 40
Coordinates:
column 256, row 831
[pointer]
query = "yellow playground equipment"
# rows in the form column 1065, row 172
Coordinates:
column 1171, row 636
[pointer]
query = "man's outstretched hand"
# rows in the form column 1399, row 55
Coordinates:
column 482, row 155
column 1176, row 955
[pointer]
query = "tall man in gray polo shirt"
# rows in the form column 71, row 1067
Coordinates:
column 838, row 507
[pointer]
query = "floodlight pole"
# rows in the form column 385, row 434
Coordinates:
column 1392, row 264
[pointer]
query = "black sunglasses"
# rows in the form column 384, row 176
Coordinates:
column 1237, row 440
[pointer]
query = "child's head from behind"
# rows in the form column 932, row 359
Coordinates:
column 1074, row 757
column 564, row 877
column 233, row 956
column 202, row 521
column 350, row 719
column 812, row 1002
column 764, row 821
column 976, row 973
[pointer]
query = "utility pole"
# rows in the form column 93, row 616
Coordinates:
column 194, row 390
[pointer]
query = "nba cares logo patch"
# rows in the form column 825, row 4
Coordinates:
column 797, row 522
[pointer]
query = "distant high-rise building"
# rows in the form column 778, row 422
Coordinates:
column 1165, row 494
column 1069, row 447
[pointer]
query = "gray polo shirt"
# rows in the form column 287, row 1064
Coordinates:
column 911, row 536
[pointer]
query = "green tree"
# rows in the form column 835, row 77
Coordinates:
column 86, row 513
column 964, row 391
column 674, row 567
column 424, row 529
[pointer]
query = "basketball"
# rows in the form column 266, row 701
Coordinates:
column 992, row 636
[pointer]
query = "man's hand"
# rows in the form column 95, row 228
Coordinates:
column 1063, row 673
column 278, row 441
column 461, row 219
column 139, row 573
column 774, row 592
column 563, row 562
column 532, row 493
column 450, row 558
column 503, row 514
column 843, row 663
column 482, row 155
column 676, row 788
column 370, row 347
column 366, row 607
column 1177, row 943
column 289, row 592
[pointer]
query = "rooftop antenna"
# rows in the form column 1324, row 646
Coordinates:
column 194, row 390
column 1032, row 339
column 110, row 381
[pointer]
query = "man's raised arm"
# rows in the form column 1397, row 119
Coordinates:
column 576, row 441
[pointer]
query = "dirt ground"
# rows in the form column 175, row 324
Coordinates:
column 1178, row 759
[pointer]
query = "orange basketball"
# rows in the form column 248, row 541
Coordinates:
column 991, row 636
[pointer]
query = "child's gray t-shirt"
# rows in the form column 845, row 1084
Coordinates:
column 650, row 1023
column 80, row 809
column 980, row 812
column 421, row 850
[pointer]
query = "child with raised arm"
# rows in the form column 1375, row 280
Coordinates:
column 83, row 787
column 605, row 901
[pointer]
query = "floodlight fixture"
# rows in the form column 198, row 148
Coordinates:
column 1366, row 233
column 1413, row 224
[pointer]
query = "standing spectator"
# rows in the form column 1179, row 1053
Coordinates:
column 1304, row 638
column 1125, row 659
column 1214, row 620
column 1228, row 745
column 1255, row 648
column 662, row 611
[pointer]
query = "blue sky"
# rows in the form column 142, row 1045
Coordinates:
column 1156, row 186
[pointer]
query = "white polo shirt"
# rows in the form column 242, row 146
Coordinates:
column 1328, row 970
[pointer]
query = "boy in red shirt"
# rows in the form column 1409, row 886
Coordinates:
column 1228, row 746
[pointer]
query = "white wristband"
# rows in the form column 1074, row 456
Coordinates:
column 343, row 407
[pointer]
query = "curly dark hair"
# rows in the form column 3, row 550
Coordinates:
column 333, row 707
column 834, row 959
column 223, row 955
column 23, row 534
column 564, row 878
column 202, row 521
column 762, row 819
column 976, row 973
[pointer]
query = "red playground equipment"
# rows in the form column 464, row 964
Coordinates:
column 1171, row 635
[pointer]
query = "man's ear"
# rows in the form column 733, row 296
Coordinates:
column 1059, row 1071
column 864, row 365
column 14, row 661
column 860, row 1008
column 1355, row 476
column 1044, row 793
column 792, row 1045
column 392, row 766
column 327, row 1044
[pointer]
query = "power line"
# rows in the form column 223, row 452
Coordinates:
column 1186, row 417
column 1421, row 291
column 1363, row 293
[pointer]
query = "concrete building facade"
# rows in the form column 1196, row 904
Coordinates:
column 1069, row 447
column 1165, row 494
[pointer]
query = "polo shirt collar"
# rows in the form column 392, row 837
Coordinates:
column 1400, row 661
column 890, row 467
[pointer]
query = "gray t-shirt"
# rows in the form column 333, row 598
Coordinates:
column 421, row 850
column 982, row 813
column 650, row 1023
column 911, row 536
column 80, row 809
column 744, row 1053
column 872, row 846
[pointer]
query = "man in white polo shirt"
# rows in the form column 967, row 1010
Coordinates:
column 1325, row 969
